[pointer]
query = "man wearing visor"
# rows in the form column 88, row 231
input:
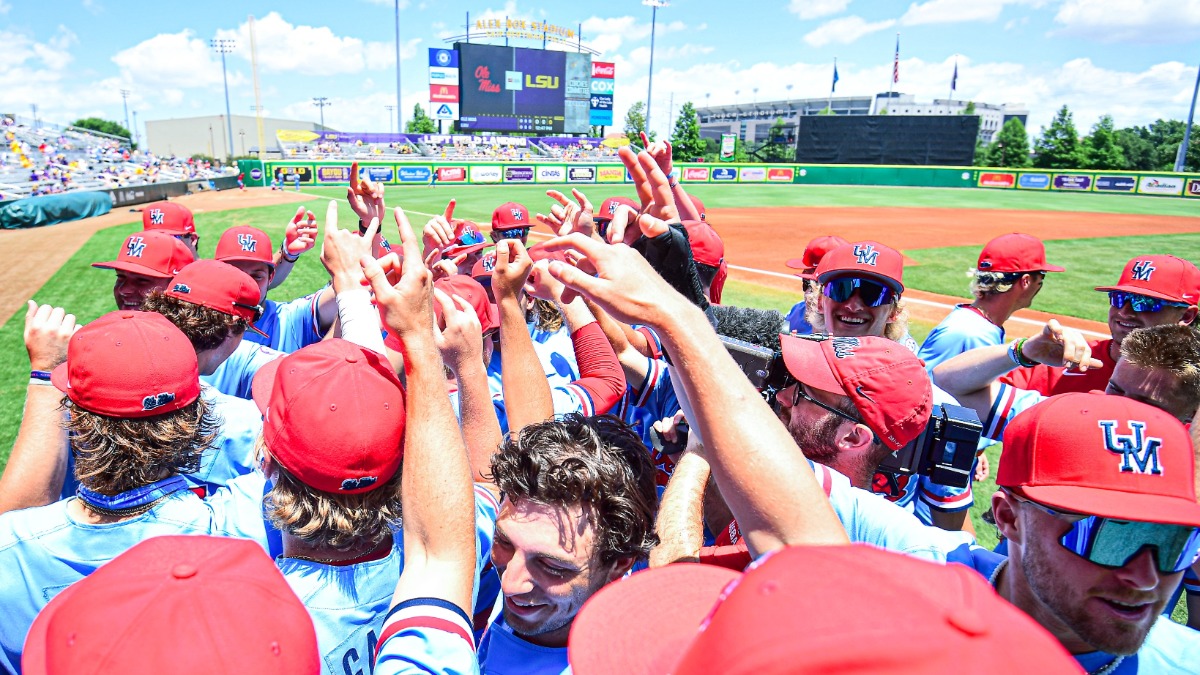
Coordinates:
column 1153, row 290
column 1097, row 501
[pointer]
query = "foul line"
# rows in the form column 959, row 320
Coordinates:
column 909, row 298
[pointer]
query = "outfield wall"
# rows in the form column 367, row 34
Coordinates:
column 335, row 173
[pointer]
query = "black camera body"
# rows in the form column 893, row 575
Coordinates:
column 945, row 450
column 763, row 367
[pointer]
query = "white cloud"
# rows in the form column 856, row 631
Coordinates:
column 1141, row 21
column 4, row 7
column 172, row 60
column 959, row 11
column 606, row 35
column 815, row 9
column 845, row 31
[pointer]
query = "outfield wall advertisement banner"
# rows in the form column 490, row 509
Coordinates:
column 518, row 174
column 414, row 174
column 777, row 175
column 1072, row 181
column 1160, row 185
column 1193, row 188
column 289, row 173
column 581, row 174
column 752, row 174
column 610, row 174
column 724, row 174
column 997, row 180
column 486, row 174
column 696, row 174
column 1116, row 183
column 333, row 174
column 551, row 174
column 451, row 174
column 378, row 174
column 1034, row 181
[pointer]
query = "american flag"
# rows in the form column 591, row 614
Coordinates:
column 896, row 62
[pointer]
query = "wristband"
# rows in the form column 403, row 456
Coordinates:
column 43, row 375
column 288, row 258
column 1018, row 357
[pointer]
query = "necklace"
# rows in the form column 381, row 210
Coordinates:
column 126, row 512
column 1103, row 670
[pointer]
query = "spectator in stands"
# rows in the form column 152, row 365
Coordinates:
column 1008, row 275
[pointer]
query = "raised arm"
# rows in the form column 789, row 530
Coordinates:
column 436, row 490
column 527, row 397
column 37, row 465
column 300, row 236
column 680, row 522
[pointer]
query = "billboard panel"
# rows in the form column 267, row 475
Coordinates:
column 603, row 86
column 443, row 58
column 1193, row 188
column 610, row 174
column 1072, row 181
column 1034, row 181
column 333, row 174
column 600, row 118
column 444, row 111
column 551, row 174
column 781, row 175
column 414, row 174
column 997, row 180
column 451, row 174
column 604, row 69
column 443, row 76
column 515, row 89
column 485, row 174
column 378, row 174
column 1116, row 183
column 1160, row 185
column 443, row 93
column 581, row 174
column 723, row 173
column 695, row 173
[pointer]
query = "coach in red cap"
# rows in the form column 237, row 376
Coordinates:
column 145, row 264
column 1153, row 290
column 807, row 264
column 1097, row 501
column 1009, row 274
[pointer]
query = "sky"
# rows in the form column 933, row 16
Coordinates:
column 1133, row 59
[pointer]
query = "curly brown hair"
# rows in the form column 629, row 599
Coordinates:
column 114, row 455
column 597, row 462
column 340, row 522
column 1174, row 348
column 546, row 314
column 205, row 328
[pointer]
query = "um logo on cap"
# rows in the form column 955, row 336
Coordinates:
column 865, row 255
column 157, row 216
column 248, row 242
column 1139, row 453
column 843, row 347
column 157, row 400
column 135, row 247
column 359, row 483
column 1142, row 270
column 517, row 214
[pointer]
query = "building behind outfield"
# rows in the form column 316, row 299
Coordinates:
column 208, row 135
column 752, row 121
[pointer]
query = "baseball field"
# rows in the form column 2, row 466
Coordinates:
column 939, row 231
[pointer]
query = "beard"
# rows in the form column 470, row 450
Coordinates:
column 814, row 439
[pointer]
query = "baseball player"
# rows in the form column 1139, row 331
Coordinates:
column 136, row 425
column 1008, row 275
column 511, row 220
column 146, row 263
column 1153, row 290
column 807, row 264
column 174, row 219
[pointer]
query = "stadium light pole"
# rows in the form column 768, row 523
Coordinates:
column 134, row 131
column 321, row 102
column 391, row 118
column 654, row 5
column 1181, row 156
column 125, row 102
column 225, row 46
column 399, row 105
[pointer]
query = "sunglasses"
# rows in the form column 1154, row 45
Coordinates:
column 799, row 394
column 1112, row 543
column 518, row 233
column 470, row 237
column 1140, row 303
column 602, row 227
column 257, row 309
column 873, row 293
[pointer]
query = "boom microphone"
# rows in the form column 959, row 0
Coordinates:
column 757, row 326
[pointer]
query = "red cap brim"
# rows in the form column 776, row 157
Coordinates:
column 58, row 377
column 1047, row 267
column 1138, row 290
column 1142, row 507
column 796, row 263
column 263, row 383
column 132, row 267
column 644, row 623
column 806, row 356
column 457, row 250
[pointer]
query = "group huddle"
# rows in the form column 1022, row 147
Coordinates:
column 480, row 454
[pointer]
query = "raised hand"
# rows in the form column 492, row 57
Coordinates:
column 660, row 151
column 1058, row 345
column 440, row 231
column 301, row 233
column 47, row 331
column 404, row 292
column 541, row 284
column 460, row 339
column 569, row 216
column 365, row 197
column 512, row 268
column 342, row 249
column 640, row 182
column 662, row 202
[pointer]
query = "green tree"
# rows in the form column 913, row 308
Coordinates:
column 635, row 123
column 981, row 156
column 1058, row 146
column 1100, row 149
column 420, row 123
column 777, row 148
column 826, row 111
column 1011, row 148
column 969, row 110
column 114, row 129
column 1137, row 150
column 686, row 143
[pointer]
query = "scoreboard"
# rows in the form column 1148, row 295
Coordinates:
column 517, row 89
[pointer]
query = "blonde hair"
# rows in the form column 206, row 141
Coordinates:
column 549, row 319
column 991, row 283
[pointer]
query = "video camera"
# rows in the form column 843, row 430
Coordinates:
column 945, row 450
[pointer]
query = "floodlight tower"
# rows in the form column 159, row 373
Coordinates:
column 654, row 5
column 321, row 102
column 225, row 46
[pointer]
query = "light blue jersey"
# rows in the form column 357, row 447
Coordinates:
column 45, row 549
column 426, row 636
column 503, row 652
column 556, row 352
column 565, row 395
column 291, row 325
column 236, row 374
column 348, row 603
column 963, row 329
column 232, row 454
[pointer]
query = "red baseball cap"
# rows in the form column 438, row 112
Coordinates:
column 474, row 293
column 482, row 270
column 886, row 382
column 813, row 253
column 868, row 259
column 1102, row 455
column 707, row 247
column 176, row 600
column 1015, row 252
column 152, row 254
column 219, row 286
column 129, row 364
column 803, row 609
column 510, row 216
column 333, row 416
column 468, row 241
column 168, row 217
column 245, row 243
column 609, row 208
column 1160, row 276
column 699, row 206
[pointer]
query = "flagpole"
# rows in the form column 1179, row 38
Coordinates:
column 895, row 66
column 952, row 83
column 832, row 87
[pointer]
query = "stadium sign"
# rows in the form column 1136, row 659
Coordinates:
column 445, row 111
column 602, row 102
column 1116, row 183
column 379, row 174
column 443, row 76
column 255, row 174
column 518, row 174
column 1193, row 188
column 486, row 174
column 443, row 93
column 528, row 30
column 333, row 174
column 604, row 70
column 1033, row 181
column 581, row 174
column 752, row 173
column 414, row 174
column 1160, row 185
column 725, row 174
column 600, row 118
column 610, row 174
column 443, row 58
column 451, row 174
column 551, row 174
column 603, row 86
column 997, row 180
column 698, row 174
column 781, row 175
column 1072, row 181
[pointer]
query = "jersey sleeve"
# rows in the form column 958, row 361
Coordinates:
column 601, row 380
column 426, row 635
column 299, row 323
column 1009, row 401
column 487, row 581
column 944, row 497
column 237, row 510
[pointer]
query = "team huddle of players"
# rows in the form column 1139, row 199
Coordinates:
column 464, row 455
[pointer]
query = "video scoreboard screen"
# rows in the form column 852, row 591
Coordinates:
column 515, row 89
